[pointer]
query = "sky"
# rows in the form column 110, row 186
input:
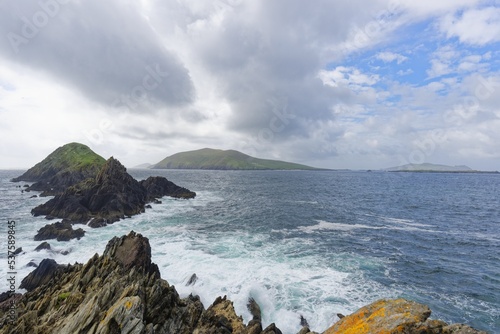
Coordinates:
column 358, row 84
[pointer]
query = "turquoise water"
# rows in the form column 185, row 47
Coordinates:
column 309, row 243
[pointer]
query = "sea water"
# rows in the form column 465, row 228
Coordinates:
column 305, row 243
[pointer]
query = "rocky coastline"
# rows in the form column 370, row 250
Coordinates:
column 122, row 291
column 108, row 197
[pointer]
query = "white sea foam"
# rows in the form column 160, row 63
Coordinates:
column 408, row 222
column 324, row 225
column 284, row 287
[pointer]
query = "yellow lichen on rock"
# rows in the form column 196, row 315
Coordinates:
column 383, row 317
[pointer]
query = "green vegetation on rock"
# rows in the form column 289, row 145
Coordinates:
column 63, row 296
column 66, row 166
column 70, row 157
column 208, row 158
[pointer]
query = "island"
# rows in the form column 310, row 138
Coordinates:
column 66, row 166
column 208, row 158
column 435, row 168
column 90, row 190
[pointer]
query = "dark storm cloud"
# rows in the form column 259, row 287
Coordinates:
column 105, row 49
column 268, row 55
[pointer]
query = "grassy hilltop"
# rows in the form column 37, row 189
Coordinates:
column 72, row 157
column 208, row 158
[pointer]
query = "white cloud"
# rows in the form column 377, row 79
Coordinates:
column 235, row 67
column 442, row 61
column 435, row 8
column 348, row 76
column 453, row 60
column 474, row 26
column 405, row 72
column 388, row 57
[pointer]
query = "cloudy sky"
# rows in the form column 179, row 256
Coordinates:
column 338, row 84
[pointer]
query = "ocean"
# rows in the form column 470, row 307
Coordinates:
column 305, row 243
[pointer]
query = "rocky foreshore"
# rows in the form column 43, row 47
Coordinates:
column 89, row 189
column 108, row 197
column 121, row 291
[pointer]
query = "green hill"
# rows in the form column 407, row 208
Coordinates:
column 208, row 158
column 67, row 165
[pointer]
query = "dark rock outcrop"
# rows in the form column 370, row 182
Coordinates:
column 32, row 264
column 66, row 166
column 158, row 186
column 41, row 275
column 42, row 246
column 62, row 231
column 112, row 195
column 118, row 292
column 192, row 280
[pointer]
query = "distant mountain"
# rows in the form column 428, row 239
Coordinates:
column 145, row 165
column 67, row 165
column 208, row 158
column 427, row 167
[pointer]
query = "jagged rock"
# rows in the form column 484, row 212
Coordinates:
column 159, row 186
column 132, row 251
column 192, row 280
column 101, row 222
column 62, row 231
column 18, row 251
column 7, row 299
column 43, row 245
column 254, row 325
column 303, row 321
column 461, row 329
column 306, row 330
column 220, row 318
column 32, row 264
column 118, row 292
column 397, row 316
column 112, row 195
column 41, row 275
column 271, row 329
column 33, row 196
